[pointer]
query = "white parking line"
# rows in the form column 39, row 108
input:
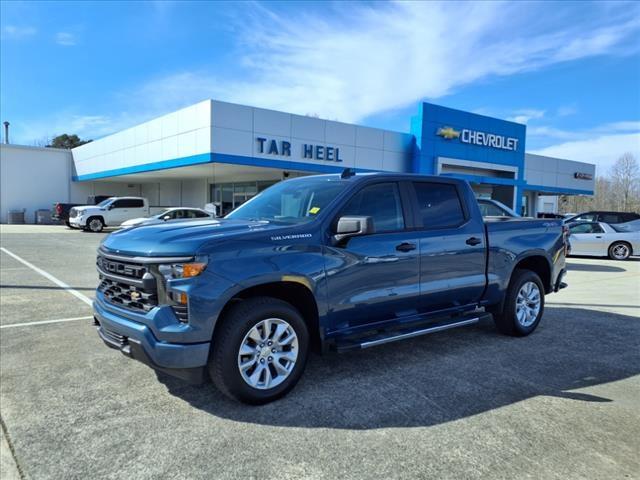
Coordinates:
column 50, row 277
column 43, row 322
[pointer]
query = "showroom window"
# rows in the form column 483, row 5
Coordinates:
column 229, row 196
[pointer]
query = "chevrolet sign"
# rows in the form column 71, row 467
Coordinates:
column 482, row 139
column 448, row 133
column 583, row 176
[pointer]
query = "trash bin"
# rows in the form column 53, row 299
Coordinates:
column 16, row 217
column 43, row 217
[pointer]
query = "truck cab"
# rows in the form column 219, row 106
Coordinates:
column 111, row 212
column 328, row 262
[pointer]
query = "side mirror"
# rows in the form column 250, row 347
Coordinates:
column 110, row 207
column 348, row 227
column 166, row 217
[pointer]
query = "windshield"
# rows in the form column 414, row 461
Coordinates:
column 292, row 201
column 492, row 208
column 633, row 226
column 106, row 202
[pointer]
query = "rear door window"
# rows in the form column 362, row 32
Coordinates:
column 439, row 205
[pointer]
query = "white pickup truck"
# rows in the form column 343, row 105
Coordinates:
column 108, row 213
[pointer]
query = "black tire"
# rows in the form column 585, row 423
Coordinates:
column 507, row 320
column 229, row 336
column 94, row 224
column 619, row 251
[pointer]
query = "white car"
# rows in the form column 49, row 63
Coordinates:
column 490, row 208
column 597, row 239
column 177, row 213
column 108, row 213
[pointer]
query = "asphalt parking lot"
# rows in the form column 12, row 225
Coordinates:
column 468, row 403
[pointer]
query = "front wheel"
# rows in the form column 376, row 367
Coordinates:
column 619, row 251
column 94, row 225
column 524, row 305
column 259, row 350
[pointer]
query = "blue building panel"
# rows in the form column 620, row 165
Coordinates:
column 432, row 145
column 443, row 132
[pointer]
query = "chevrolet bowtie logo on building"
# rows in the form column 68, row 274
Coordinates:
column 448, row 133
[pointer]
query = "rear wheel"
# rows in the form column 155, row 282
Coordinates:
column 259, row 350
column 94, row 224
column 523, row 306
column 619, row 251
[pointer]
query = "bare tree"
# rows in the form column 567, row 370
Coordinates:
column 625, row 180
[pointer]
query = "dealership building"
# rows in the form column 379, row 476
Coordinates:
column 223, row 153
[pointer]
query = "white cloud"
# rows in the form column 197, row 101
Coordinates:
column 524, row 115
column 361, row 59
column 566, row 111
column 603, row 149
column 66, row 39
column 366, row 59
column 15, row 31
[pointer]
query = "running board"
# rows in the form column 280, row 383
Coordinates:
column 395, row 335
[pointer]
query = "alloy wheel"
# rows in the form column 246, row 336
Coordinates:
column 268, row 353
column 620, row 251
column 528, row 303
column 95, row 225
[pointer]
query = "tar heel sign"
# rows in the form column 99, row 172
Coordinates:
column 307, row 151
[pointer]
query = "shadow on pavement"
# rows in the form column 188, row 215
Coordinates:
column 583, row 267
column 447, row 376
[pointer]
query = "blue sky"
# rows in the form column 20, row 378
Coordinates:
column 570, row 71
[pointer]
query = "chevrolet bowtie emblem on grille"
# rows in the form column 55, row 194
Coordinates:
column 135, row 295
column 448, row 133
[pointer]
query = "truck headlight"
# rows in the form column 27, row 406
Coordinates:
column 172, row 271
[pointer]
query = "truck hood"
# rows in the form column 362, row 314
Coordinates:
column 181, row 238
column 86, row 208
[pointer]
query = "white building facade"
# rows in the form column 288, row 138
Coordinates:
column 226, row 153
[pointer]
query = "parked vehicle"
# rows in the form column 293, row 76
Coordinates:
column 493, row 208
column 337, row 262
column 605, row 217
column 108, row 213
column 558, row 216
column 598, row 239
column 60, row 211
column 632, row 226
column 176, row 213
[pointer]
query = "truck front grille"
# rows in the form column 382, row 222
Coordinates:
column 73, row 213
column 127, row 296
column 127, row 270
column 127, row 284
column 135, row 283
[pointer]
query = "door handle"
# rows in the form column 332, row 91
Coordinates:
column 598, row 236
column 473, row 241
column 406, row 247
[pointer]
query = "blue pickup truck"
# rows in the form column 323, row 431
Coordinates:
column 328, row 262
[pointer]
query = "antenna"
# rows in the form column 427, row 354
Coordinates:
column 348, row 173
